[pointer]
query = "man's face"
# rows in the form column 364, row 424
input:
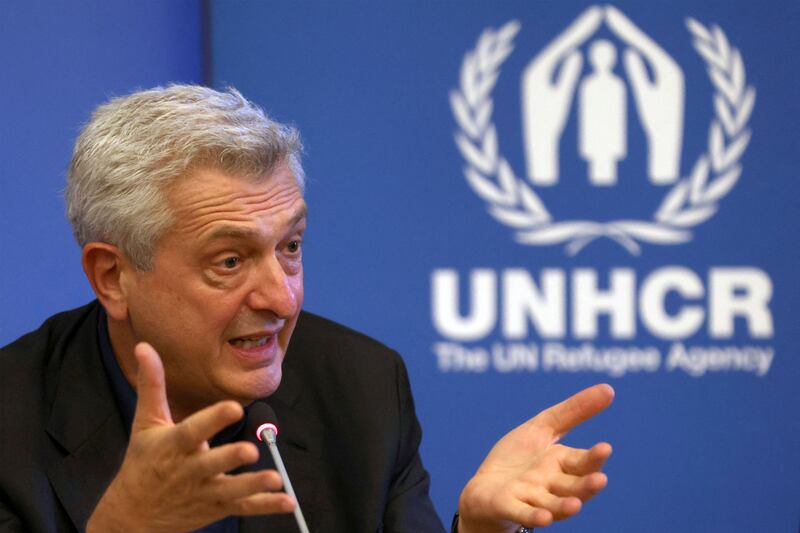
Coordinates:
column 225, row 290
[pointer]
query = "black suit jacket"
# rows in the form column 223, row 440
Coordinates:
column 349, row 434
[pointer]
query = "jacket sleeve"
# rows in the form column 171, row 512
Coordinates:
column 409, row 508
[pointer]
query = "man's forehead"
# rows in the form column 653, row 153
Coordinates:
column 210, row 200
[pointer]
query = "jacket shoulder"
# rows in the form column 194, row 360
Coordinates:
column 324, row 342
column 335, row 361
column 313, row 327
column 30, row 369
column 44, row 341
column 40, row 346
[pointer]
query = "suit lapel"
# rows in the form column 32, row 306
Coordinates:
column 296, row 442
column 88, row 435
column 299, row 443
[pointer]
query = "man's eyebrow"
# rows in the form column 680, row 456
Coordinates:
column 236, row 232
column 300, row 215
column 231, row 232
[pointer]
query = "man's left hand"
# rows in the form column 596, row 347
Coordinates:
column 528, row 479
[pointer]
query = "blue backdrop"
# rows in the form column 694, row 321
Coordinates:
column 421, row 236
column 61, row 60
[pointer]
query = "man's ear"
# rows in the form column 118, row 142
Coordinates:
column 106, row 266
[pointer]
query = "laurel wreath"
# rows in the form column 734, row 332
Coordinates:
column 691, row 201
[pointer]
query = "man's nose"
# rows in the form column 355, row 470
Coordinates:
column 273, row 290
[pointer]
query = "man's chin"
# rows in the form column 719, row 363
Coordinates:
column 255, row 386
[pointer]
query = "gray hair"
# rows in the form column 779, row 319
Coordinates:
column 136, row 146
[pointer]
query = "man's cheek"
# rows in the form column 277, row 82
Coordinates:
column 299, row 290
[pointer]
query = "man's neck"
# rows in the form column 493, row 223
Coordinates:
column 122, row 343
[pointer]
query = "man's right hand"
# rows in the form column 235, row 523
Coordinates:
column 170, row 480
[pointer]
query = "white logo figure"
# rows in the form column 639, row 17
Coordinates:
column 602, row 99
column 602, row 117
column 546, row 104
column 660, row 103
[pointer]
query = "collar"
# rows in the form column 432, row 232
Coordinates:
column 124, row 395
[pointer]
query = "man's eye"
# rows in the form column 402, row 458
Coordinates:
column 231, row 262
column 293, row 246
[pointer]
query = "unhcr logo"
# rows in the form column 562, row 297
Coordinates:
column 621, row 320
column 556, row 308
column 550, row 83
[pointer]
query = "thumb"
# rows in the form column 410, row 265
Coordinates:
column 637, row 74
column 575, row 410
column 152, row 408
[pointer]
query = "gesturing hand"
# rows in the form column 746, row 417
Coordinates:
column 170, row 480
column 530, row 480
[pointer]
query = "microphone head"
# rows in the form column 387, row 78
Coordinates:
column 261, row 417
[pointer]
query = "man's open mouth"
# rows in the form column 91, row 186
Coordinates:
column 248, row 343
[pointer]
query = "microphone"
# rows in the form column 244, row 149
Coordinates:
column 267, row 432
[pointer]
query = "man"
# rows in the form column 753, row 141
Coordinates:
column 128, row 414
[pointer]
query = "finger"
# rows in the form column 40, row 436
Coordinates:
column 575, row 410
column 582, row 487
column 224, row 459
column 582, row 462
column 559, row 507
column 233, row 488
column 152, row 408
column 264, row 503
column 571, row 38
column 198, row 428
column 520, row 512
column 630, row 32
column 580, row 30
column 637, row 73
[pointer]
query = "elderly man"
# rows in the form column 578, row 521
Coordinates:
column 128, row 414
